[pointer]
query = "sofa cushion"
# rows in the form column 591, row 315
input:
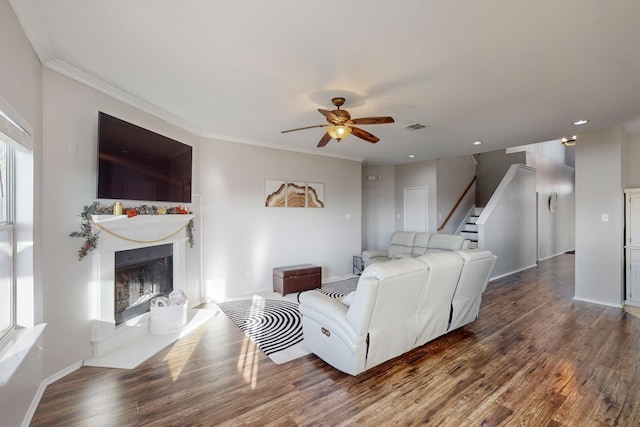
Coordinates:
column 392, row 326
column 403, row 238
column 449, row 242
column 476, row 270
column 401, row 244
column 433, row 315
column 420, row 244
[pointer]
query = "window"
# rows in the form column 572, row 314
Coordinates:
column 7, row 245
column 19, row 331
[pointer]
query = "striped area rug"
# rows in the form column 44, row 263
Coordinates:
column 340, row 288
column 275, row 326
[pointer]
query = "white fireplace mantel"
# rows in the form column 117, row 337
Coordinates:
column 118, row 233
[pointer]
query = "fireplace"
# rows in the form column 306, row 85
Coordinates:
column 141, row 275
column 159, row 234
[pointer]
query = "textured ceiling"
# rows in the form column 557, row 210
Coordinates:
column 503, row 72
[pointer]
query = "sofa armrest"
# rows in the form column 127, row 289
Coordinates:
column 374, row 253
column 331, row 313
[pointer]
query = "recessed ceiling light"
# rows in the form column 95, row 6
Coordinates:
column 581, row 122
column 411, row 156
column 476, row 143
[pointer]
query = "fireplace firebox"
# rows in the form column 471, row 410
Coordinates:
column 141, row 275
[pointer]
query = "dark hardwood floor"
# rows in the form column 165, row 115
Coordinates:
column 535, row 357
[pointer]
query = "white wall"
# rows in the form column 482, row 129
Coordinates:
column 378, row 207
column 599, row 245
column 552, row 150
column 21, row 88
column 507, row 225
column 492, row 166
column 453, row 176
column 243, row 240
column 556, row 231
column 630, row 158
column 70, row 112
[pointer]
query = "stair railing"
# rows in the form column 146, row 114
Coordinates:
column 446, row 220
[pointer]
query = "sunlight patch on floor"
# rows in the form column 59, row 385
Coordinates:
column 248, row 363
column 632, row 310
column 248, row 360
column 179, row 356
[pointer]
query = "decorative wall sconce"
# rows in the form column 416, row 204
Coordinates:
column 553, row 202
column 569, row 142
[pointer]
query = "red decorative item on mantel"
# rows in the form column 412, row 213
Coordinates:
column 182, row 211
column 131, row 213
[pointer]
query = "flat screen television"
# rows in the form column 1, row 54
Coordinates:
column 138, row 164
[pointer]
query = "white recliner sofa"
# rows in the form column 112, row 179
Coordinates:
column 409, row 244
column 397, row 306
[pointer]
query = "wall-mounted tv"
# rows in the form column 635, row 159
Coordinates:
column 137, row 164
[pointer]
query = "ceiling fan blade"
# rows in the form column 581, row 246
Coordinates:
column 373, row 120
column 324, row 140
column 363, row 134
column 329, row 115
column 306, row 127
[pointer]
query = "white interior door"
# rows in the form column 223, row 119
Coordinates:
column 416, row 213
column 632, row 247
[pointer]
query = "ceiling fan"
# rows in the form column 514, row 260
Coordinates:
column 340, row 124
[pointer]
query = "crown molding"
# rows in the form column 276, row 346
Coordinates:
column 99, row 85
column 33, row 29
column 209, row 135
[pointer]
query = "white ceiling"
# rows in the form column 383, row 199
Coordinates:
column 500, row 71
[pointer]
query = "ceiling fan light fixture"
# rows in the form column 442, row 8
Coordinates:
column 340, row 125
column 339, row 132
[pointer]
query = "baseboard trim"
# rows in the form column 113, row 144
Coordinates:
column 595, row 301
column 555, row 255
column 41, row 389
column 491, row 279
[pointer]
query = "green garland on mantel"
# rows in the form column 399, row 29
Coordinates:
column 91, row 235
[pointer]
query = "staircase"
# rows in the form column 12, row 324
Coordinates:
column 470, row 229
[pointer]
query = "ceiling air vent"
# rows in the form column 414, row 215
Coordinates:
column 415, row 126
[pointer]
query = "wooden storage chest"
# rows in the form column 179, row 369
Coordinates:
column 296, row 278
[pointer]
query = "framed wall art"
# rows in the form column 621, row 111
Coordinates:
column 280, row 193
column 315, row 195
column 275, row 191
column 296, row 194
